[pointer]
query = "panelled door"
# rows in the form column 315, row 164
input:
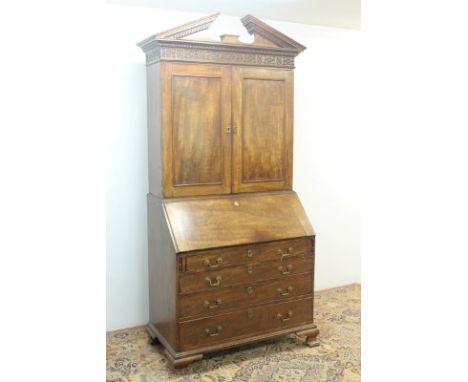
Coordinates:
column 196, row 101
column 262, row 111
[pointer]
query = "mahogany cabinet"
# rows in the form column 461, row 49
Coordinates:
column 231, row 250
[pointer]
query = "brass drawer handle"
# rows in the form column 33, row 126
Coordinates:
column 208, row 305
column 285, row 271
column 250, row 313
column 249, row 290
column 213, row 284
column 208, row 332
column 280, row 317
column 289, row 254
column 250, row 253
column 285, row 292
column 219, row 261
column 249, row 269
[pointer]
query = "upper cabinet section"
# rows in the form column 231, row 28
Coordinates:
column 220, row 113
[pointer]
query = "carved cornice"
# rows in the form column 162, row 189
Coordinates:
column 189, row 28
column 238, row 54
column 257, row 27
column 274, row 50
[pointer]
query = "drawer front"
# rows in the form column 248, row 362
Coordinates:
column 241, row 274
column 245, row 322
column 215, row 301
column 226, row 257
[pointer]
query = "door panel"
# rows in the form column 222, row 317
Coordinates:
column 262, row 140
column 197, row 150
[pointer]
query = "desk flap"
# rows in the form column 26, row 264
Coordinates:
column 219, row 221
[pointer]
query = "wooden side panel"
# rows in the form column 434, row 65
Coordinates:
column 196, row 147
column 162, row 265
column 219, row 221
column 153, row 77
column 262, row 116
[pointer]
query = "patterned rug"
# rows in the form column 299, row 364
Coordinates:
column 130, row 357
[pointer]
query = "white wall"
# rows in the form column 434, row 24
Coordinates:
column 325, row 157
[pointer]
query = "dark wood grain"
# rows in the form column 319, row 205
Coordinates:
column 213, row 222
column 153, row 78
column 197, row 149
column 162, row 282
column 245, row 322
column 201, row 261
column 242, row 274
column 249, row 294
column 262, row 115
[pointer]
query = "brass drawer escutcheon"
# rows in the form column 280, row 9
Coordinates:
column 249, row 269
column 213, row 284
column 280, row 317
column 250, row 313
column 286, row 291
column 208, row 332
column 208, row 305
column 285, row 270
column 250, row 253
column 249, row 289
column 208, row 264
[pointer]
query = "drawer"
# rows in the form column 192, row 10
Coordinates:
column 225, row 257
column 213, row 302
column 245, row 322
column 241, row 274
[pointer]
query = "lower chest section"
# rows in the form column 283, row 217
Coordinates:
column 228, row 294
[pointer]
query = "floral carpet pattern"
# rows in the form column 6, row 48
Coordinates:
column 131, row 358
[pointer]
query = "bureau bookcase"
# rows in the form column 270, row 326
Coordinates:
column 231, row 250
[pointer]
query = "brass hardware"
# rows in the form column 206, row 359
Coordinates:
column 219, row 261
column 249, row 290
column 249, row 268
column 208, row 305
column 218, row 281
column 250, row 313
column 249, row 253
column 285, row 292
column 286, row 271
column 218, row 330
column 231, row 130
column 289, row 254
column 236, row 203
column 280, row 317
